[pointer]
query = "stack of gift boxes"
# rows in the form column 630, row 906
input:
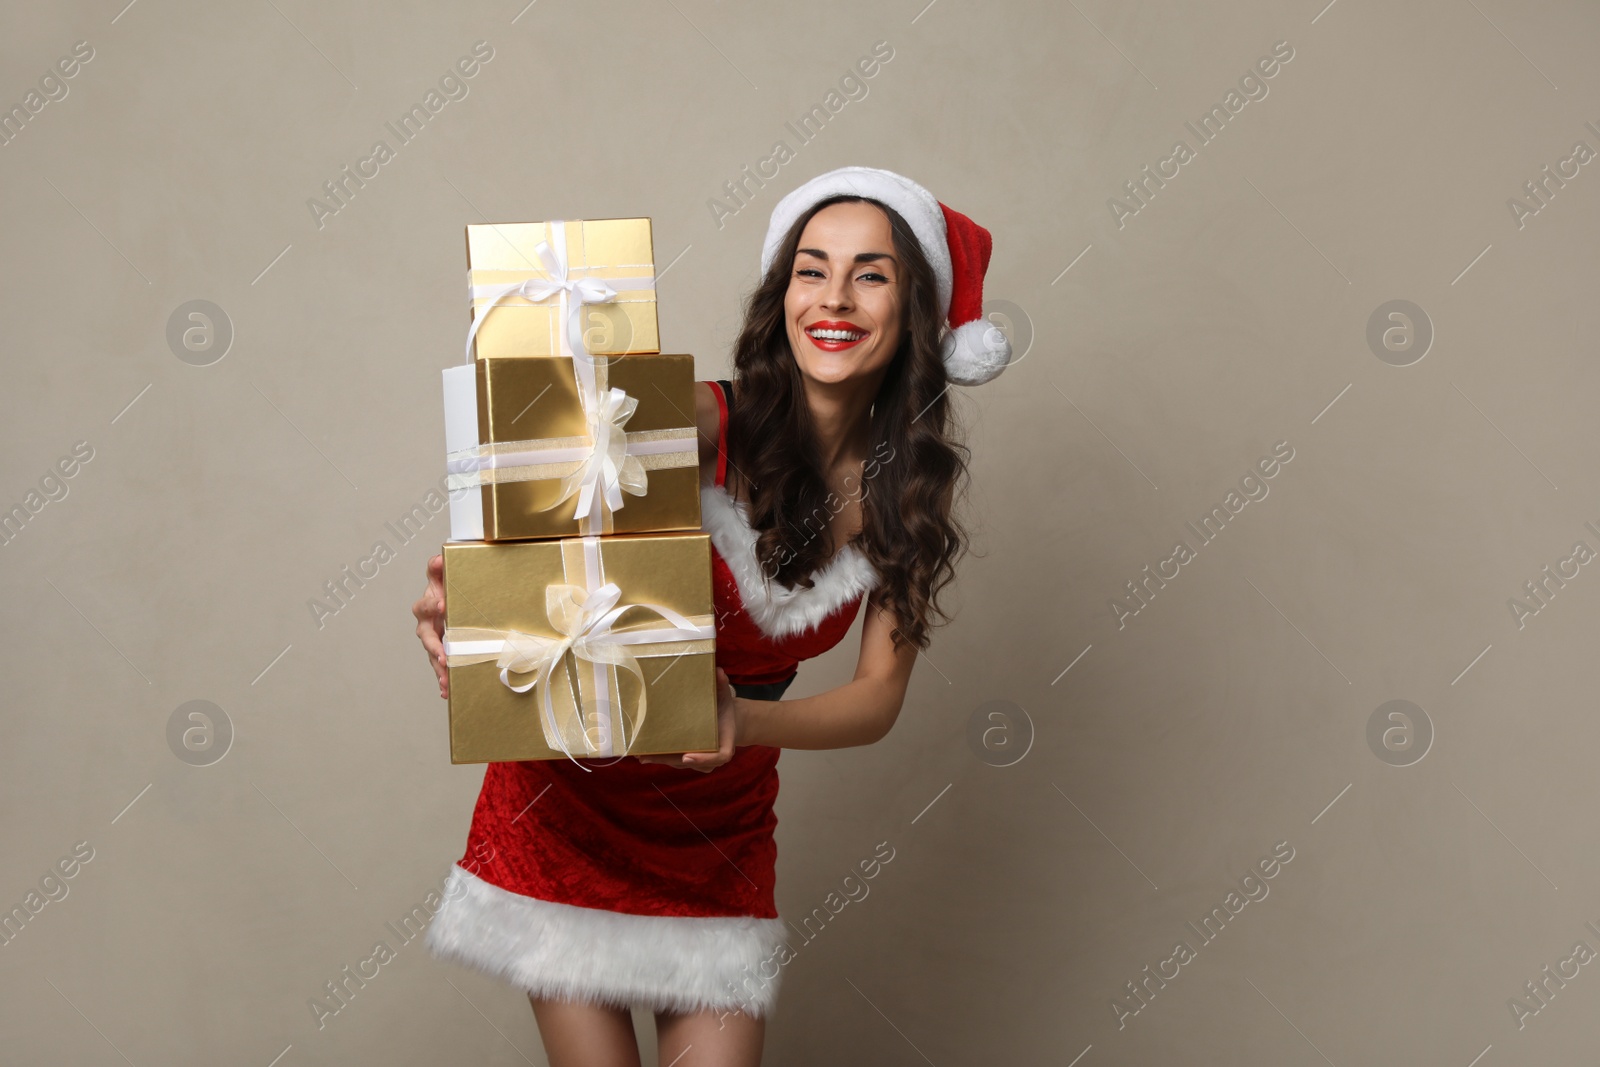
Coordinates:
column 578, row 611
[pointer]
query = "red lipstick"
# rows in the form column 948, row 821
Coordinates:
column 838, row 342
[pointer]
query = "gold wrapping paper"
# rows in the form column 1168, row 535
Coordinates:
column 502, row 587
column 523, row 399
column 605, row 249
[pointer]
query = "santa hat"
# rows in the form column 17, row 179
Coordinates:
column 956, row 247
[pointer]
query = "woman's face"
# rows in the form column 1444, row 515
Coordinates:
column 843, row 306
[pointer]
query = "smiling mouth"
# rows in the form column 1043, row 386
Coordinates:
column 834, row 339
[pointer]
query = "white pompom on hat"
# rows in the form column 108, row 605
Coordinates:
column 956, row 247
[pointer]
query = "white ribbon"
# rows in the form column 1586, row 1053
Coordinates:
column 584, row 618
column 606, row 413
column 608, row 459
column 608, row 464
column 574, row 293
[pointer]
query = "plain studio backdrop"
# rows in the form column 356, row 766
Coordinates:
column 1338, row 346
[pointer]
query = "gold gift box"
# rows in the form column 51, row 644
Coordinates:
column 497, row 407
column 502, row 587
column 612, row 250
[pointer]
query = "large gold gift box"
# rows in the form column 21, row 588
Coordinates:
column 516, row 431
column 497, row 607
column 616, row 252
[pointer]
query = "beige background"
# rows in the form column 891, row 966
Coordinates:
column 1229, row 314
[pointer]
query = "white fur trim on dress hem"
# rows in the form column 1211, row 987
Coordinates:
column 562, row 951
column 777, row 610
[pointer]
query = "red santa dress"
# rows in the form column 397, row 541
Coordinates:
column 638, row 884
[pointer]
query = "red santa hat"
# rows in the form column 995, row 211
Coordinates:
column 957, row 248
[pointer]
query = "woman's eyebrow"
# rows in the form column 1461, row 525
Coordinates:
column 861, row 257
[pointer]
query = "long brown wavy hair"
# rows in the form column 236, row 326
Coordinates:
column 915, row 468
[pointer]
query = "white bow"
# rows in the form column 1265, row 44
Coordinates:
column 609, row 465
column 574, row 293
column 584, row 619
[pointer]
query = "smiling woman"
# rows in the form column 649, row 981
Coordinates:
column 630, row 883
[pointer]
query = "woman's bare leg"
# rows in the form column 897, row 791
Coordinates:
column 708, row 1039
column 585, row 1035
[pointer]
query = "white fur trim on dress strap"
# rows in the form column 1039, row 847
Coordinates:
column 562, row 951
column 779, row 611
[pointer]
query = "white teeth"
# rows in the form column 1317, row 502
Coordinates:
column 835, row 335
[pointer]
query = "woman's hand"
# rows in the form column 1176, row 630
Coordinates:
column 429, row 611
column 727, row 729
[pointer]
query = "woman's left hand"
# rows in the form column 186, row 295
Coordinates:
column 727, row 728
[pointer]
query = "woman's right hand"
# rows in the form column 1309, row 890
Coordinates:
column 429, row 611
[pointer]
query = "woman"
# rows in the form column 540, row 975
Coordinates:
column 827, row 477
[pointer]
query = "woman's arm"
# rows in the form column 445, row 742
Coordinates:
column 859, row 712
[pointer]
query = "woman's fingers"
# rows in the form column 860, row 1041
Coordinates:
column 684, row 760
column 429, row 610
column 726, row 730
column 436, row 591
